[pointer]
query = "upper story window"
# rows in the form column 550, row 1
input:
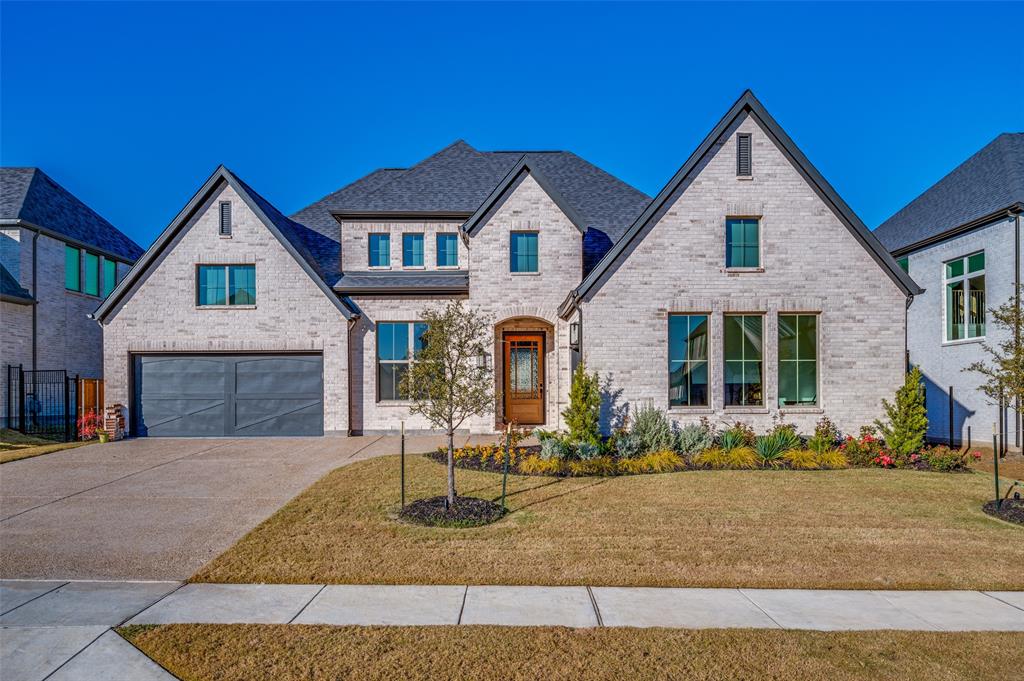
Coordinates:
column 447, row 250
column 225, row 218
column 964, row 280
column 412, row 250
column 798, row 360
column 744, row 346
column 91, row 274
column 226, row 285
column 380, row 250
column 109, row 276
column 398, row 344
column 72, row 269
column 688, row 360
column 904, row 263
column 742, row 243
column 744, row 160
column 524, row 252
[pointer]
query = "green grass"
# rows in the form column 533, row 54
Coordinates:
column 15, row 446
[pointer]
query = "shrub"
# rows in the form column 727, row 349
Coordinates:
column 553, row 449
column 825, row 437
column 584, row 410
column 831, row 459
column 770, row 447
column 663, row 461
column 694, row 438
column 652, row 427
column 802, row 459
column 944, row 459
column 627, row 445
column 89, row 425
column 863, row 450
column 542, row 434
column 599, row 465
column 738, row 435
column 737, row 458
column 534, row 465
column 906, row 422
column 585, row 451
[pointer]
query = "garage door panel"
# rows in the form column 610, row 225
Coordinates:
column 225, row 395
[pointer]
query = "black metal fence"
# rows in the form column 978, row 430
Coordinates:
column 42, row 403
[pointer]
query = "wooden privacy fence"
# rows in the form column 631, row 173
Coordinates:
column 90, row 396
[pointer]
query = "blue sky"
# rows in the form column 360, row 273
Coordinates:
column 131, row 106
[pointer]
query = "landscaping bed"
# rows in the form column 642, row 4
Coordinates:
column 855, row 529
column 317, row 653
column 465, row 512
column 1011, row 510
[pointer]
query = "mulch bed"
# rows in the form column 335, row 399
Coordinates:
column 466, row 512
column 1012, row 510
column 473, row 463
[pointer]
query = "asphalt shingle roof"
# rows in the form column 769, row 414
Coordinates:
column 10, row 288
column 31, row 195
column 355, row 282
column 990, row 180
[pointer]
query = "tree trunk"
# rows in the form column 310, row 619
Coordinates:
column 451, row 467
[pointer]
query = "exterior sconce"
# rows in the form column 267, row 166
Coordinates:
column 483, row 360
column 574, row 336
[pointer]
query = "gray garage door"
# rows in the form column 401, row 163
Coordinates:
column 228, row 395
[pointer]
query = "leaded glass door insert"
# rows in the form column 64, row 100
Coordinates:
column 524, row 378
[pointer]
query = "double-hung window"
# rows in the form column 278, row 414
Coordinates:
column 447, row 250
column 523, row 249
column 964, row 280
column 226, row 285
column 412, row 250
column 398, row 344
column 380, row 250
column 798, row 360
column 742, row 243
column 688, row 360
column 744, row 343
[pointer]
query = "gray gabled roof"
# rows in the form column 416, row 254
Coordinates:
column 746, row 104
column 985, row 186
column 371, row 282
column 30, row 196
column 291, row 235
column 11, row 291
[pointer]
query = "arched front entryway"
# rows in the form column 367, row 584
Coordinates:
column 524, row 353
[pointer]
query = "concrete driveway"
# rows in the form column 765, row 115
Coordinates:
column 156, row 509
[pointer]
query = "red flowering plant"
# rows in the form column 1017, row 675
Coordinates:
column 942, row 458
column 865, row 450
column 89, row 424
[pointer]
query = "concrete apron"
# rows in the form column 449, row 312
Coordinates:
column 62, row 630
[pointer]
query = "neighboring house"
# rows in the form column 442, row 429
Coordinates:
column 961, row 241
column 241, row 321
column 58, row 259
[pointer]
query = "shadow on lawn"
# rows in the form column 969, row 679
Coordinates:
column 531, row 488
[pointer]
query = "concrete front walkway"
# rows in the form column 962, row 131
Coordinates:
column 61, row 630
column 158, row 508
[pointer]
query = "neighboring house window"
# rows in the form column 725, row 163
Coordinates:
column 398, row 344
column 380, row 250
column 225, row 218
column 412, row 250
column 742, row 245
column 744, row 164
column 91, row 274
column 744, row 343
column 109, row 276
column 447, row 250
column 798, row 360
column 524, row 252
column 688, row 360
column 226, row 285
column 72, row 269
column 904, row 264
column 964, row 280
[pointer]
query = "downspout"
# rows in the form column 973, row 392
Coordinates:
column 35, row 296
column 352, row 321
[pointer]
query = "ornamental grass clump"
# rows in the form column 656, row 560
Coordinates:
column 802, row 459
column 771, row 447
column 664, row 461
column 534, row 465
column 599, row 465
column 742, row 457
column 653, row 429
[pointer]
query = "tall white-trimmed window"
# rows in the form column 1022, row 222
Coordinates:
column 964, row 285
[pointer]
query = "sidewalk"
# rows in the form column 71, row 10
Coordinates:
column 61, row 630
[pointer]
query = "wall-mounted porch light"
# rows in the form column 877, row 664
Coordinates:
column 483, row 360
column 574, row 336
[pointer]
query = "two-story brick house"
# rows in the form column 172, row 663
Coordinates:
column 242, row 321
column 58, row 260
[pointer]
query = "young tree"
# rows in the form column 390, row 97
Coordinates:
column 1004, row 370
column 907, row 421
column 446, row 382
column 584, row 410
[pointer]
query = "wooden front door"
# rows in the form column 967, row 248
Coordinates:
column 524, row 378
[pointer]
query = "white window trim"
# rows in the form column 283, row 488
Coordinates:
column 378, row 361
column 965, row 277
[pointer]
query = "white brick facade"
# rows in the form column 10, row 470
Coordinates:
column 810, row 263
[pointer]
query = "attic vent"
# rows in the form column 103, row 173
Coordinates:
column 743, row 165
column 225, row 218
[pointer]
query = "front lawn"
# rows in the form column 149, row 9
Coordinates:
column 15, row 446
column 866, row 528
column 313, row 653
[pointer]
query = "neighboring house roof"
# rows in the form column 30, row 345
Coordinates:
column 11, row 291
column 295, row 238
column 747, row 104
column 457, row 180
column 979, row 190
column 28, row 195
column 403, row 282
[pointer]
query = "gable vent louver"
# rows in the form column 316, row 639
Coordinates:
column 225, row 218
column 743, row 162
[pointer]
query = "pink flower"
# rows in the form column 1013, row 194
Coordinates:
column 976, row 454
